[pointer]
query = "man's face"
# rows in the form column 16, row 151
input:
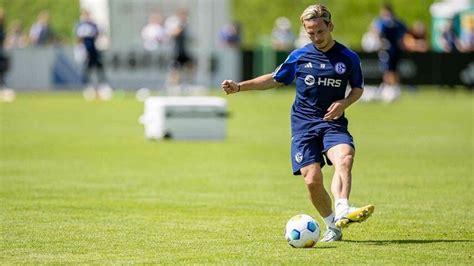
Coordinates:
column 319, row 32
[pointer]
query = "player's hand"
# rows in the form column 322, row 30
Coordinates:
column 335, row 111
column 230, row 86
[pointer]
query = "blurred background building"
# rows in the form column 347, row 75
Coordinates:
column 128, row 63
column 226, row 39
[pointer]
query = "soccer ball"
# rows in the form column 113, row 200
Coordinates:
column 302, row 231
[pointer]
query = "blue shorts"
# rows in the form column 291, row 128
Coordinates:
column 310, row 147
column 388, row 61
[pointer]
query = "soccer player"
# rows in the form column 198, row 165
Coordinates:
column 87, row 32
column 322, row 69
column 182, row 69
column 391, row 30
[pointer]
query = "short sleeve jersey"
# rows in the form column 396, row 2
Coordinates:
column 321, row 79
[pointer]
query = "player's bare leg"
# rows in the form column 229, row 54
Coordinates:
column 313, row 178
column 342, row 157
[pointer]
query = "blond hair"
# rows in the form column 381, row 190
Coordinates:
column 316, row 11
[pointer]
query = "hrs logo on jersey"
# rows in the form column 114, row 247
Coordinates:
column 310, row 80
column 336, row 83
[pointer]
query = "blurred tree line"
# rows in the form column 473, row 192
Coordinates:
column 63, row 15
column 351, row 17
column 257, row 17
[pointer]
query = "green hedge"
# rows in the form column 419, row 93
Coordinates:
column 351, row 17
column 63, row 14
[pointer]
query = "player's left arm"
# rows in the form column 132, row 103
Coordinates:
column 336, row 109
column 356, row 80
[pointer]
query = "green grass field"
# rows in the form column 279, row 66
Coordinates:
column 80, row 184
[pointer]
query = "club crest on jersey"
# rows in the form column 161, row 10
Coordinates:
column 309, row 80
column 299, row 157
column 340, row 68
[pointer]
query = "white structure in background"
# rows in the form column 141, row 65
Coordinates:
column 99, row 10
column 126, row 19
column 193, row 117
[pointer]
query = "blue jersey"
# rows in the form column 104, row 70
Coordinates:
column 88, row 32
column 321, row 79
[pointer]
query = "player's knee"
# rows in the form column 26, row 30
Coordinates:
column 345, row 161
column 313, row 178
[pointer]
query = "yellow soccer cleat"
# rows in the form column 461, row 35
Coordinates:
column 355, row 215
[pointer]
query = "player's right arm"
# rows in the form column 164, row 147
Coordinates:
column 284, row 74
column 263, row 82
